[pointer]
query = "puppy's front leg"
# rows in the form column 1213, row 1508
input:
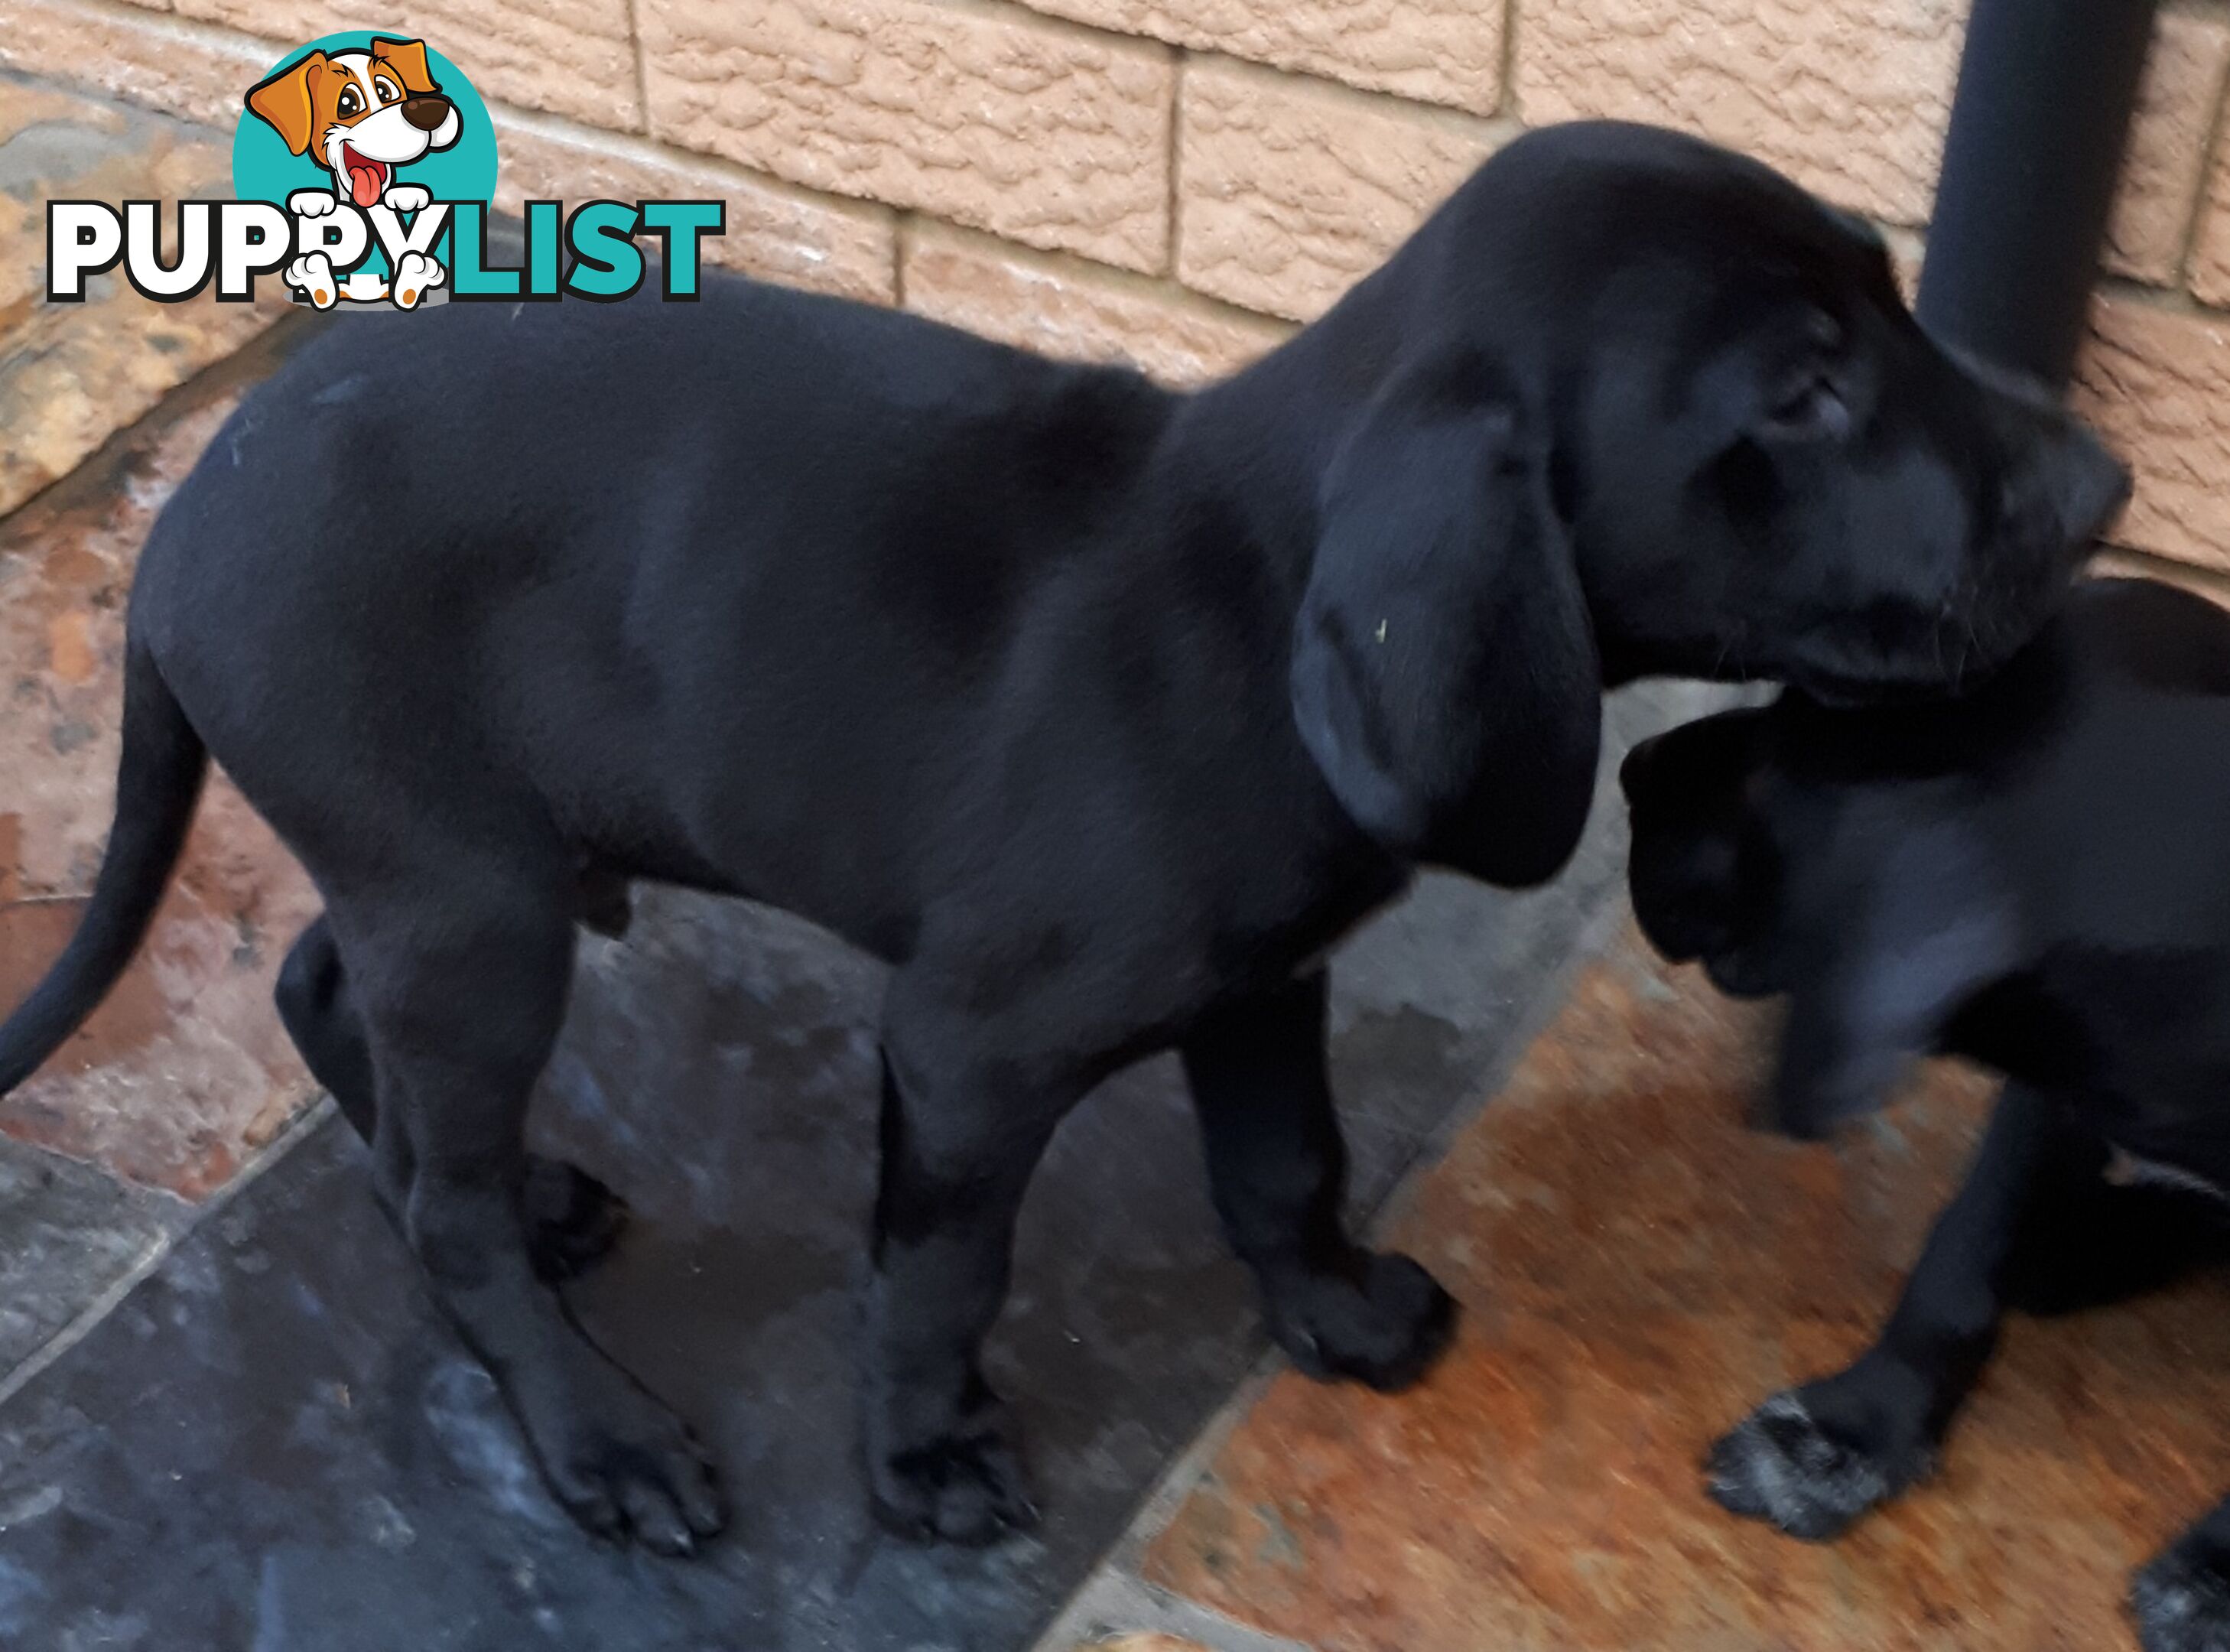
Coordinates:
column 1813, row 1459
column 1278, row 1170
column 964, row 1122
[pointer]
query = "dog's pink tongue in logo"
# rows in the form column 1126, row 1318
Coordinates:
column 366, row 178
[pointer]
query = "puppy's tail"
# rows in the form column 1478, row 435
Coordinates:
column 159, row 781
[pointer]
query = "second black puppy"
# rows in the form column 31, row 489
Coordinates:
column 2032, row 876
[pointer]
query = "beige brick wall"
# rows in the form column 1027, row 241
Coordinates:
column 1849, row 96
column 1177, row 182
column 1291, row 191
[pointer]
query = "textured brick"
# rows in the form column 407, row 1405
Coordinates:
column 2136, row 564
column 2157, row 380
column 2167, row 145
column 2209, row 269
column 774, row 230
column 1293, row 191
column 2209, row 272
column 1441, row 51
column 1061, row 308
column 573, row 56
column 1849, row 96
column 189, row 70
column 1035, row 130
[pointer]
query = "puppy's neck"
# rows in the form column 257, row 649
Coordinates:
column 1263, row 438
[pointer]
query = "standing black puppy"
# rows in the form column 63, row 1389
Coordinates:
column 1100, row 712
column 2032, row 875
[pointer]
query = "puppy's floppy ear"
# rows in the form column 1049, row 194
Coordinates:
column 1444, row 671
column 286, row 100
column 408, row 59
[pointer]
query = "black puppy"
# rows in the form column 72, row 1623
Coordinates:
column 1100, row 712
column 2031, row 875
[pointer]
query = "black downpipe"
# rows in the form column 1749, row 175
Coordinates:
column 2045, row 92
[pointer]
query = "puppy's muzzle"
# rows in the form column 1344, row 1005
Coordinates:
column 426, row 111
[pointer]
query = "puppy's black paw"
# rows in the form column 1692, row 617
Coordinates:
column 2181, row 1601
column 1784, row 1467
column 1382, row 1322
column 572, row 1219
column 631, row 1468
column 967, row 1486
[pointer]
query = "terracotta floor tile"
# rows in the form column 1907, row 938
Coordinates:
column 1638, row 1271
column 73, row 374
column 184, row 1069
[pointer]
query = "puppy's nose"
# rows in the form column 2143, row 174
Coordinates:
column 425, row 111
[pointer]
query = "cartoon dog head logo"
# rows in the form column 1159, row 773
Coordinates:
column 363, row 171
column 363, row 114
column 349, row 135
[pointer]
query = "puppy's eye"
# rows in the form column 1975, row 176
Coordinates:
column 350, row 101
column 1814, row 412
column 388, row 92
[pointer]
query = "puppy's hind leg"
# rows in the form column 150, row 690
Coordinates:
column 460, row 979
column 572, row 1219
column 314, row 1005
column 1278, row 1170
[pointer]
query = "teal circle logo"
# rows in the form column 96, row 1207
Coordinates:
column 372, row 121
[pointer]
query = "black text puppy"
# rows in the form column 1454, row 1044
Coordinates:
column 2033, row 876
column 1100, row 711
